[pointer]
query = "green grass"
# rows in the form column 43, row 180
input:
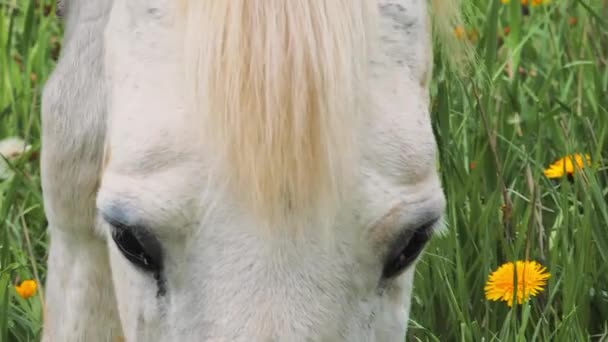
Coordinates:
column 535, row 95
column 28, row 42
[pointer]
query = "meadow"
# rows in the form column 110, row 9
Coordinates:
column 534, row 90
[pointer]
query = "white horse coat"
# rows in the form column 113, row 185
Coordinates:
column 157, row 224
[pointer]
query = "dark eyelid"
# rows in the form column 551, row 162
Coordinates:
column 402, row 242
column 407, row 233
column 148, row 241
column 150, row 257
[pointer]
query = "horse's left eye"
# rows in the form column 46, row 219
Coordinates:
column 406, row 250
column 139, row 246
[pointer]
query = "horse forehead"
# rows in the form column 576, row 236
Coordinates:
column 149, row 127
column 148, row 124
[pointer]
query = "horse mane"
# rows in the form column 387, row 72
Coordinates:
column 281, row 89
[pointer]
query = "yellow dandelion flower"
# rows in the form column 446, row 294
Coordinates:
column 26, row 289
column 567, row 165
column 531, row 279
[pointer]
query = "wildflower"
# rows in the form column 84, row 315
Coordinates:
column 459, row 32
column 539, row 2
column 26, row 289
column 566, row 165
column 11, row 149
column 534, row 3
column 572, row 21
column 531, row 279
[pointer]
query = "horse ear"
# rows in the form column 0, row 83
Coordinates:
column 60, row 8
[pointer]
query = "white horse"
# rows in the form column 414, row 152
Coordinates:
column 238, row 170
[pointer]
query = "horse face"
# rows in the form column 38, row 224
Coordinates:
column 188, row 262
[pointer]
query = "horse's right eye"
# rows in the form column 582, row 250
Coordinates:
column 139, row 246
